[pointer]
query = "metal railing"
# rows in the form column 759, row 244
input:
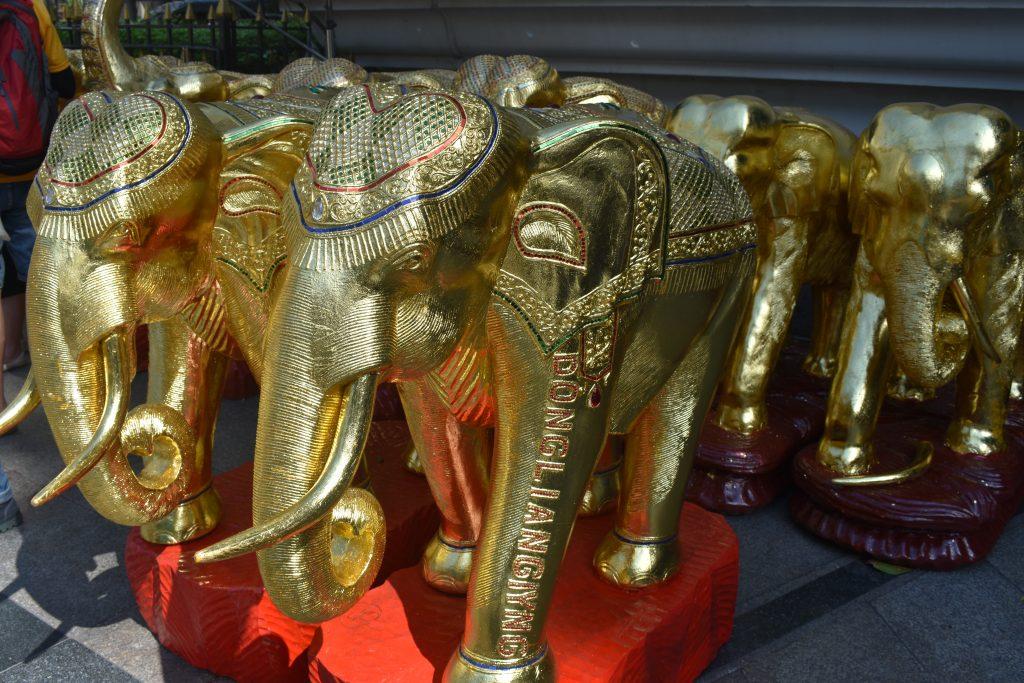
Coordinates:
column 231, row 35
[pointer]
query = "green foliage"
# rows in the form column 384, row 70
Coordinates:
column 251, row 53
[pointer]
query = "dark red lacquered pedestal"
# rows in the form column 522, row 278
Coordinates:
column 737, row 473
column 405, row 631
column 218, row 616
column 949, row 516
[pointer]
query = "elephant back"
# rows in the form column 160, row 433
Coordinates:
column 590, row 227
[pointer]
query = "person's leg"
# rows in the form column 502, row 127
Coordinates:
column 10, row 515
column 23, row 239
column 13, row 302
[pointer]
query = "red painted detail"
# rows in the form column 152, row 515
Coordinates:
column 405, row 631
column 134, row 157
column 219, row 617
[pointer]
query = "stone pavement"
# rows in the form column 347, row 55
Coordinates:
column 807, row 611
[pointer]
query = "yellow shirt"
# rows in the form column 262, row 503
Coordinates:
column 55, row 57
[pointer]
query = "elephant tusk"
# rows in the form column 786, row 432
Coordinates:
column 966, row 303
column 116, row 373
column 328, row 490
column 21, row 407
column 925, row 451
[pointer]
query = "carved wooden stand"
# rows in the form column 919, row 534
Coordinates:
column 218, row 616
column 404, row 631
column 949, row 516
column 735, row 473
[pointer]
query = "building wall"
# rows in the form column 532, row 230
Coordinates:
column 843, row 58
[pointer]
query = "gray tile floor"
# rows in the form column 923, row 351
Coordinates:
column 807, row 611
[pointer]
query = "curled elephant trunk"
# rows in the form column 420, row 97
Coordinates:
column 21, row 407
column 96, row 433
column 105, row 61
column 320, row 543
column 929, row 341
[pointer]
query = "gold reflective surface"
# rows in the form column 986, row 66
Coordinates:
column 555, row 275
column 795, row 166
column 938, row 282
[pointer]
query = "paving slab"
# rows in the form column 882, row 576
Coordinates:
column 967, row 624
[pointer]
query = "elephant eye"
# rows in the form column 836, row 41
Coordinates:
column 121, row 236
column 413, row 260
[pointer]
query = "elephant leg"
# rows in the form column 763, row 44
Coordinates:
column 826, row 334
column 455, row 458
column 547, row 440
column 186, row 375
column 660, row 447
column 863, row 369
column 1017, row 385
column 983, row 386
column 780, row 273
column 604, row 485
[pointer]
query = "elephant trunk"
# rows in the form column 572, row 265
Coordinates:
column 84, row 386
column 319, row 542
column 106, row 62
column 928, row 341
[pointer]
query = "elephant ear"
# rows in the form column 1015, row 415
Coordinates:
column 805, row 162
column 589, row 230
column 261, row 159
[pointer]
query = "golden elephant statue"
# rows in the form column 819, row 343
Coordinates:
column 151, row 210
column 104, row 64
column 557, row 274
column 591, row 90
column 795, row 166
column 936, row 197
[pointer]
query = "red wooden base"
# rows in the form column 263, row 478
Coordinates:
column 218, row 616
column 404, row 631
column 949, row 516
column 738, row 473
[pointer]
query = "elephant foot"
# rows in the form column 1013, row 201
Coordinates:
column 413, row 462
column 601, row 494
column 820, row 366
column 742, row 419
column 965, row 436
column 446, row 566
column 902, row 389
column 635, row 564
column 464, row 669
column 192, row 519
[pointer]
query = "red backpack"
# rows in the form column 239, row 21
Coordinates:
column 28, row 103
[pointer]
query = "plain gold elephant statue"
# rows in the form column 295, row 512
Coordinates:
column 150, row 210
column 795, row 166
column 553, row 273
column 936, row 197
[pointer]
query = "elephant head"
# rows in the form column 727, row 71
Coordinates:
column 589, row 90
column 929, row 190
column 516, row 81
column 328, row 73
column 396, row 224
column 122, row 206
column 741, row 131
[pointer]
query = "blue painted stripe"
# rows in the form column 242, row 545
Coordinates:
column 686, row 261
column 188, row 130
column 408, row 200
column 504, row 667
column 663, row 541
